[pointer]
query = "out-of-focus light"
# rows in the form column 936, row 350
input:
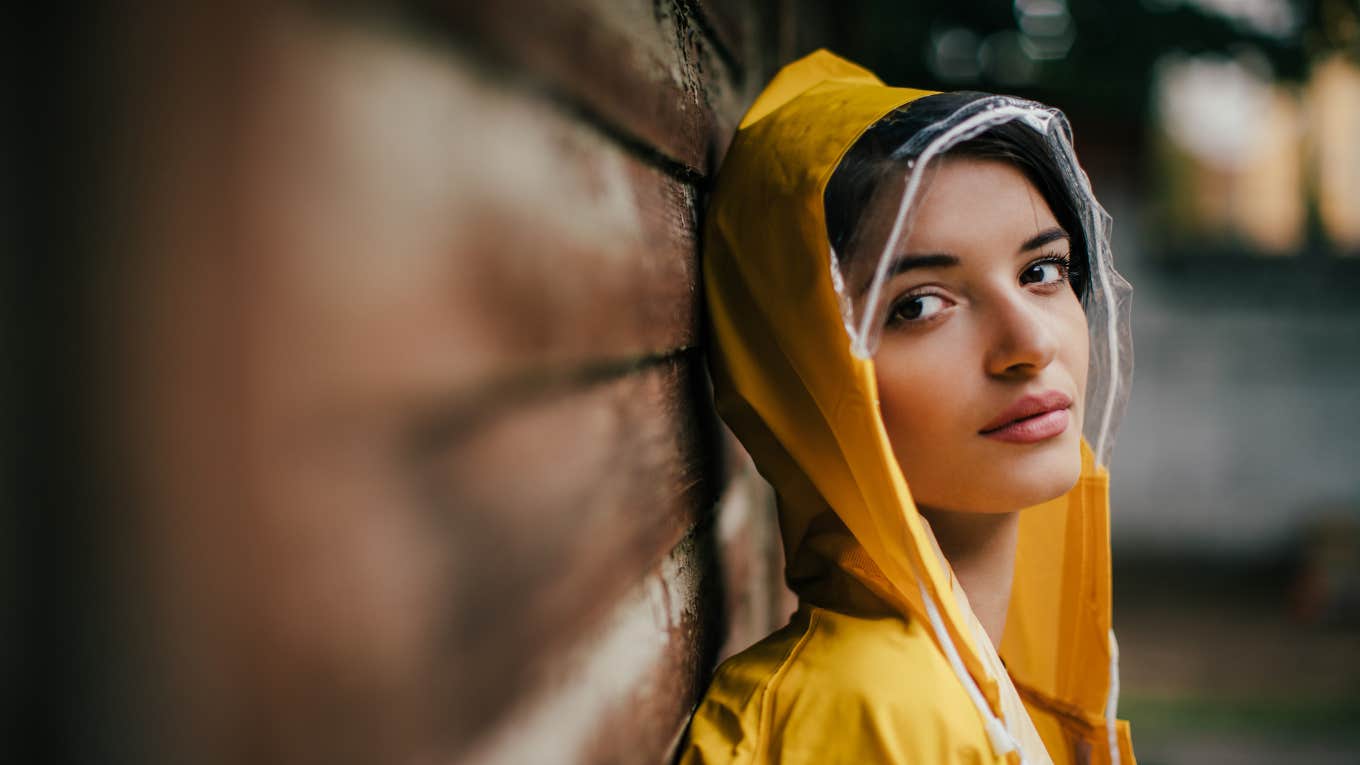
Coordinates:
column 1005, row 59
column 1048, row 31
column 1275, row 18
column 1047, row 48
column 953, row 55
column 1269, row 199
column 1334, row 108
column 1240, row 138
column 1043, row 18
column 1210, row 106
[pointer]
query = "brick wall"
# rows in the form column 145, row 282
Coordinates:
column 406, row 426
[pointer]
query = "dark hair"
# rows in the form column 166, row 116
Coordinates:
column 852, row 184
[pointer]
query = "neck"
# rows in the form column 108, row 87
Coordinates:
column 980, row 548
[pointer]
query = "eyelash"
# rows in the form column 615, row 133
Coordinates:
column 1062, row 260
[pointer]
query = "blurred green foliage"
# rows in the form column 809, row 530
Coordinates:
column 1281, row 716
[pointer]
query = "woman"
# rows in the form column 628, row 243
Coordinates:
column 917, row 333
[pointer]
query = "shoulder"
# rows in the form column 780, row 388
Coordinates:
column 831, row 687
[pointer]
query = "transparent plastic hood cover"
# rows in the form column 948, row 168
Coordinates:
column 892, row 188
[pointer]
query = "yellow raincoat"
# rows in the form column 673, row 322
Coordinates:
column 883, row 662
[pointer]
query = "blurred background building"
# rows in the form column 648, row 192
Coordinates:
column 364, row 411
column 1222, row 137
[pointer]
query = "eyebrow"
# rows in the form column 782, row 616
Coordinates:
column 944, row 260
column 1044, row 237
column 909, row 262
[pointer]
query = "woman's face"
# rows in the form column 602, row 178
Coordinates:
column 982, row 366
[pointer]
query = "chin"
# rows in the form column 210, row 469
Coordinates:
column 1003, row 482
column 1037, row 477
column 993, row 477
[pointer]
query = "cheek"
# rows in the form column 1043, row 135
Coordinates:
column 1076, row 346
column 910, row 381
column 899, row 405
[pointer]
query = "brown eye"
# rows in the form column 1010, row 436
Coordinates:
column 1044, row 272
column 916, row 308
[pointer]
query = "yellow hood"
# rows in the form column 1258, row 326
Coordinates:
column 806, row 409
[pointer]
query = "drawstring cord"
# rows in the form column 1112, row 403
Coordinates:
column 1002, row 741
column 1000, row 737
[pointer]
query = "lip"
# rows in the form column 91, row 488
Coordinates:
column 1031, row 418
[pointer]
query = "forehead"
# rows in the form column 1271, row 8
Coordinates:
column 973, row 204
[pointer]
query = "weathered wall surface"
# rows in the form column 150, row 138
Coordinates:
column 407, row 407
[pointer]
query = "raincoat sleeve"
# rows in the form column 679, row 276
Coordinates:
column 833, row 688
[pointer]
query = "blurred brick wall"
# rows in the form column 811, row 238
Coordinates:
column 405, row 416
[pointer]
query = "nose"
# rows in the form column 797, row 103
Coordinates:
column 1022, row 341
